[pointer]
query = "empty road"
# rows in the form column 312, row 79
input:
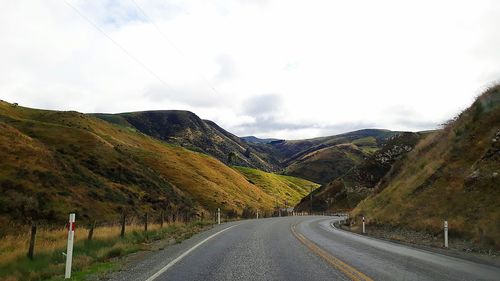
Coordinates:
column 298, row 248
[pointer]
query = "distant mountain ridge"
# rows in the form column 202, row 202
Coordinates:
column 318, row 159
column 253, row 139
column 325, row 158
column 346, row 190
column 186, row 129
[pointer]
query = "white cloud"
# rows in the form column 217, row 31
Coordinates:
column 334, row 65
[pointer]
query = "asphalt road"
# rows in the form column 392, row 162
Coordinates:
column 298, row 248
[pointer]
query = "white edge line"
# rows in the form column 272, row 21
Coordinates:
column 170, row 264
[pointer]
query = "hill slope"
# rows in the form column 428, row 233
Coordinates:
column 188, row 130
column 294, row 157
column 253, row 139
column 55, row 162
column 323, row 159
column 291, row 150
column 286, row 189
column 450, row 175
column 325, row 164
column 347, row 190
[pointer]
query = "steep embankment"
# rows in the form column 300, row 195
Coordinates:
column 452, row 174
column 55, row 162
column 186, row 129
column 287, row 190
column 348, row 189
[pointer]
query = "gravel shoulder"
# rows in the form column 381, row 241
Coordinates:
column 141, row 265
column 458, row 248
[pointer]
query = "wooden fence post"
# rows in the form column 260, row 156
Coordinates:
column 32, row 241
column 161, row 219
column 91, row 231
column 122, row 233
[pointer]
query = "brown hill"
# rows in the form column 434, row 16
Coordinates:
column 186, row 129
column 56, row 162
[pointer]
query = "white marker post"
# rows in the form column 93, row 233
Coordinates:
column 257, row 214
column 446, row 234
column 69, row 250
column 364, row 225
column 218, row 215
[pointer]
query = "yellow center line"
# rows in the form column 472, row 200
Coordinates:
column 348, row 270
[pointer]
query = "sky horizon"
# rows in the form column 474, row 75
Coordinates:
column 255, row 135
column 271, row 69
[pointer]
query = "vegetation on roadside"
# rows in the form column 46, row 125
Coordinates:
column 98, row 256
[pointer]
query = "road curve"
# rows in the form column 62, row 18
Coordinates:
column 297, row 248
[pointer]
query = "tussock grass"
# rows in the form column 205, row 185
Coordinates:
column 54, row 162
column 89, row 256
column 450, row 175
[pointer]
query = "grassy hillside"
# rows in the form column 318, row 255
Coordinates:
column 323, row 159
column 325, row 164
column 452, row 174
column 291, row 150
column 56, row 162
column 284, row 188
column 319, row 160
column 186, row 129
column 347, row 190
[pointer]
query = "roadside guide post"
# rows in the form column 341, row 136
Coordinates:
column 218, row 215
column 446, row 234
column 364, row 225
column 257, row 213
column 69, row 250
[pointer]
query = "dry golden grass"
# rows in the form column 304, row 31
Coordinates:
column 106, row 245
column 13, row 247
column 60, row 161
column 450, row 175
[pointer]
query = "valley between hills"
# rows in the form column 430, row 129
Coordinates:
column 102, row 165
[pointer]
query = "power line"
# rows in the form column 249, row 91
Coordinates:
column 144, row 66
column 143, row 12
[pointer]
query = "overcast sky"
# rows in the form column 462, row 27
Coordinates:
column 285, row 69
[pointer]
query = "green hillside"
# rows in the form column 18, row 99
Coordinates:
column 452, row 174
column 283, row 188
column 55, row 162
